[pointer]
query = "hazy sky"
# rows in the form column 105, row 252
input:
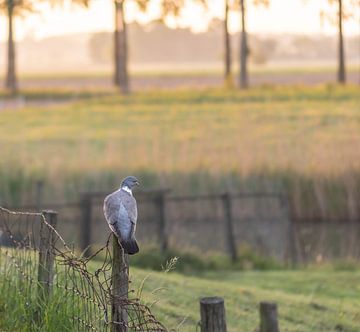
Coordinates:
column 295, row 16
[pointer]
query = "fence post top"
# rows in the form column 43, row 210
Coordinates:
column 212, row 300
column 49, row 212
column 268, row 304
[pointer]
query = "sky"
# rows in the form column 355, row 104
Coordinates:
column 290, row 16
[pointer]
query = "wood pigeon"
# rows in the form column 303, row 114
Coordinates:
column 120, row 212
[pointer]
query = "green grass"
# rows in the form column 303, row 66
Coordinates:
column 74, row 302
column 308, row 300
column 20, row 311
column 305, row 140
column 191, row 262
column 317, row 299
column 20, row 307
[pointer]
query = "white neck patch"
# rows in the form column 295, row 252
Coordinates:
column 127, row 189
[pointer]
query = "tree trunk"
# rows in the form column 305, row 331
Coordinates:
column 228, row 73
column 341, row 64
column 121, row 73
column 11, row 80
column 243, row 79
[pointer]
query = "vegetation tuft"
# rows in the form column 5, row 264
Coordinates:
column 191, row 262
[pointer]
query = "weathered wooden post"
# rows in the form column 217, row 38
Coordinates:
column 85, row 224
column 291, row 232
column 229, row 229
column 120, row 287
column 39, row 194
column 46, row 257
column 160, row 201
column 212, row 313
column 268, row 317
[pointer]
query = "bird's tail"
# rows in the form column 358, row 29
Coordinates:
column 130, row 246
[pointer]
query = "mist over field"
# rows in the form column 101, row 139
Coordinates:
column 155, row 47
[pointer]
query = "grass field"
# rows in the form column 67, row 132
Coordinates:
column 318, row 301
column 308, row 300
column 189, row 140
column 307, row 130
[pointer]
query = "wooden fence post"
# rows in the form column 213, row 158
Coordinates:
column 120, row 287
column 46, row 256
column 212, row 312
column 268, row 317
column 163, row 240
column 229, row 229
column 39, row 194
column 292, row 247
column 85, row 224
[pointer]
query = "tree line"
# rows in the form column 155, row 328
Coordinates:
column 171, row 8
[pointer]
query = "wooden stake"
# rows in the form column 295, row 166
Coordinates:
column 160, row 200
column 229, row 229
column 85, row 225
column 268, row 317
column 120, row 287
column 212, row 311
column 46, row 259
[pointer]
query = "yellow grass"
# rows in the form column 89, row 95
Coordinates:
column 310, row 131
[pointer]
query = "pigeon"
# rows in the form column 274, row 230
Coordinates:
column 120, row 212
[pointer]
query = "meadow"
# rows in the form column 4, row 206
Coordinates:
column 308, row 300
column 305, row 140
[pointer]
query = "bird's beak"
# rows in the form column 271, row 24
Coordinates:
column 137, row 183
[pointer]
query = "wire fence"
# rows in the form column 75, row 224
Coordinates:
column 226, row 223
column 51, row 288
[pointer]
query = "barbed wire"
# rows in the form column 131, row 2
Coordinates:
column 81, row 287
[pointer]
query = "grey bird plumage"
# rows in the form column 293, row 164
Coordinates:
column 120, row 210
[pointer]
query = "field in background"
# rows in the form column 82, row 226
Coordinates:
column 308, row 300
column 305, row 140
column 153, row 77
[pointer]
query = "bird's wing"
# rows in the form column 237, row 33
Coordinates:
column 117, row 216
column 130, row 206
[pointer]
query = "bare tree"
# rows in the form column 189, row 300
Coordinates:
column 244, row 48
column 121, row 74
column 341, row 50
column 343, row 14
column 227, row 46
column 345, row 10
column 12, row 8
column 11, row 80
column 121, row 77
